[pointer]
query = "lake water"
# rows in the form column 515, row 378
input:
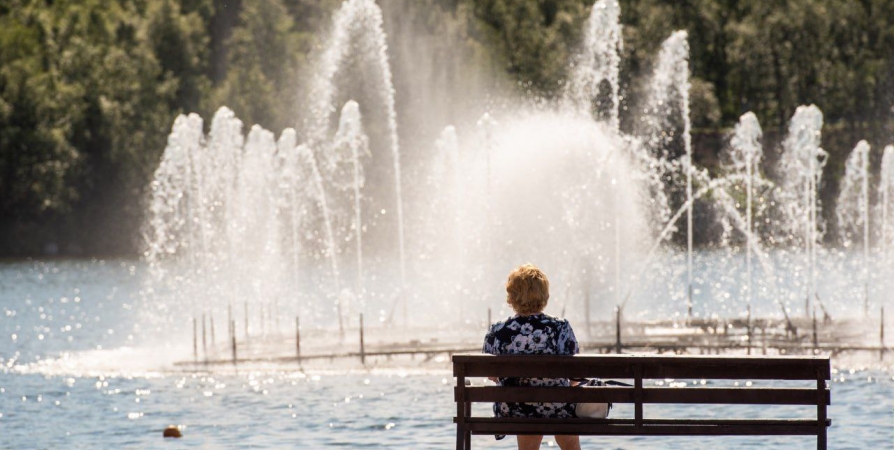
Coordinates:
column 84, row 366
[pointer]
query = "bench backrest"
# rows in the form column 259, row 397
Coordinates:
column 642, row 367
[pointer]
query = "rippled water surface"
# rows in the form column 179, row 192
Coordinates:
column 294, row 410
column 80, row 370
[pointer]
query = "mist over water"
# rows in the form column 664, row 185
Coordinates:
column 331, row 221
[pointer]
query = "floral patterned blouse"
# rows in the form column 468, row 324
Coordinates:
column 538, row 334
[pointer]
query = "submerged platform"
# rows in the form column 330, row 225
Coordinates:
column 383, row 345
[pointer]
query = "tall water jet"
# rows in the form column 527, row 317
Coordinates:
column 885, row 198
column 291, row 185
column 254, row 199
column 802, row 165
column 745, row 153
column 669, row 100
column 598, row 61
column 224, row 152
column 306, row 156
column 352, row 145
column 358, row 24
column 171, row 188
column 852, row 210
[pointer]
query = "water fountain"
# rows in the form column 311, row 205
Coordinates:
column 598, row 61
column 802, row 163
column 357, row 28
column 668, row 110
column 351, row 144
column 885, row 191
column 885, row 198
column 852, row 210
column 552, row 183
column 745, row 154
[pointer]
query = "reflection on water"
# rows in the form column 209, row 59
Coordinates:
column 296, row 410
column 84, row 365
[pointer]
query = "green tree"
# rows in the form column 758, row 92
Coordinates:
column 260, row 80
column 535, row 38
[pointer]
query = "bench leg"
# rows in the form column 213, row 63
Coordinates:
column 463, row 438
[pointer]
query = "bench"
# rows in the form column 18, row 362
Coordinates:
column 639, row 368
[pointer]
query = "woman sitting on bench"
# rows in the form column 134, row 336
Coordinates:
column 530, row 331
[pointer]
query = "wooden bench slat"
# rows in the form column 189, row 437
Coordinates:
column 536, row 369
column 547, row 394
column 741, row 396
column 805, row 429
column 694, row 395
column 653, row 421
column 622, row 366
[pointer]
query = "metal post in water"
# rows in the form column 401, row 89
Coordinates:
column 230, row 328
column 362, row 348
column 618, row 329
column 204, row 345
column 866, row 295
column 298, row 339
column 276, row 315
column 213, row 341
column 748, row 329
column 233, row 340
column 489, row 322
column 815, row 340
column 881, row 335
column 195, row 341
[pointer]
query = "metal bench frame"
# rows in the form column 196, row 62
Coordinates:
column 639, row 368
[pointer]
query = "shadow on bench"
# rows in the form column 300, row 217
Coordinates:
column 638, row 368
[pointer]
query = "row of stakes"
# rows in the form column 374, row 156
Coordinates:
column 209, row 320
column 362, row 354
column 232, row 336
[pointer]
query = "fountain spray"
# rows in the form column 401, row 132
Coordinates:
column 350, row 137
column 802, row 161
column 865, row 212
column 307, row 157
column 853, row 208
column 599, row 60
column 672, row 79
column 285, row 149
column 358, row 24
column 885, row 191
column 745, row 155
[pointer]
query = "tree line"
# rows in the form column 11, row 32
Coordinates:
column 89, row 88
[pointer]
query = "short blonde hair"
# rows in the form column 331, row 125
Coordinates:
column 527, row 289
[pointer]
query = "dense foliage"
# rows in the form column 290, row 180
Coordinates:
column 89, row 88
